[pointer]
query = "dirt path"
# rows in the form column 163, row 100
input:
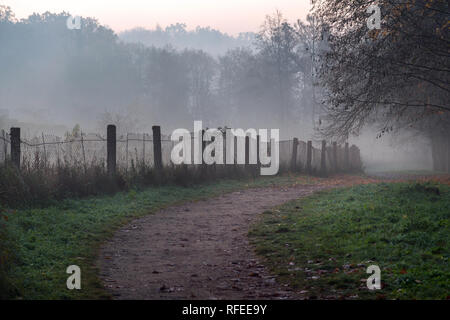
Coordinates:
column 198, row 250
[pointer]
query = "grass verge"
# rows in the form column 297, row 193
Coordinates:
column 48, row 240
column 323, row 244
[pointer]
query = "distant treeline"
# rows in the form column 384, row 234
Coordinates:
column 52, row 74
column 201, row 38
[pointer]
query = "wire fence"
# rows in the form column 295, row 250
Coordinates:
column 4, row 146
column 85, row 149
column 132, row 149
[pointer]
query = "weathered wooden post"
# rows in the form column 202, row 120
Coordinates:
column 58, row 146
column 224, row 149
column 358, row 159
column 355, row 159
column 258, row 160
column 448, row 154
column 294, row 154
column 157, row 154
column 204, row 167
column 45, row 151
column 15, row 146
column 352, row 158
column 335, row 157
column 247, row 152
column 111, row 149
column 309, row 157
column 143, row 150
column 323, row 164
column 126, row 154
column 213, row 153
column 235, row 154
column 5, row 147
column 346, row 158
column 82, row 151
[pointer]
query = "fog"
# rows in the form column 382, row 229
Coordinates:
column 52, row 78
column 400, row 152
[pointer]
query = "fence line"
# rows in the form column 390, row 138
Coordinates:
column 154, row 150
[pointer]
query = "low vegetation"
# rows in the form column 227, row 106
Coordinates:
column 323, row 244
column 41, row 184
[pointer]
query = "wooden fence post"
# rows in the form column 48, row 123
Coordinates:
column 247, row 152
column 448, row 154
column 352, row 158
column 143, row 150
column 224, row 149
column 294, row 154
column 213, row 153
column 346, row 158
column 82, row 150
column 309, row 157
column 258, row 160
column 5, row 147
column 15, row 146
column 111, row 149
column 45, row 149
column 358, row 159
column 58, row 147
column 126, row 155
column 323, row 164
column 335, row 157
column 204, row 168
column 355, row 158
column 235, row 155
column 157, row 154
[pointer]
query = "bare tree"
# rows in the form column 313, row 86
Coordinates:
column 398, row 75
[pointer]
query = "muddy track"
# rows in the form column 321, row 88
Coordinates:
column 198, row 250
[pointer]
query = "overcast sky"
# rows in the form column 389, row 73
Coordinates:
column 230, row 16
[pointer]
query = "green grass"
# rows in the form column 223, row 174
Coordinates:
column 48, row 240
column 405, row 172
column 324, row 243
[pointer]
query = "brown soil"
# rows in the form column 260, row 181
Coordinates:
column 198, row 250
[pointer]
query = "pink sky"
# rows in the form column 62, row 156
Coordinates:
column 231, row 16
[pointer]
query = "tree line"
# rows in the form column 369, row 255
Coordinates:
column 90, row 76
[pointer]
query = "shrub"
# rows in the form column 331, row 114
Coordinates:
column 40, row 184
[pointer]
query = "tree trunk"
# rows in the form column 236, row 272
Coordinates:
column 440, row 152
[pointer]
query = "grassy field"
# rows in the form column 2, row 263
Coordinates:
column 324, row 243
column 47, row 240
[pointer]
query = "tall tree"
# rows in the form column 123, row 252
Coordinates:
column 399, row 74
column 278, row 44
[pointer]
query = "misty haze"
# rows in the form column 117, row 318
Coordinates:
column 361, row 100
